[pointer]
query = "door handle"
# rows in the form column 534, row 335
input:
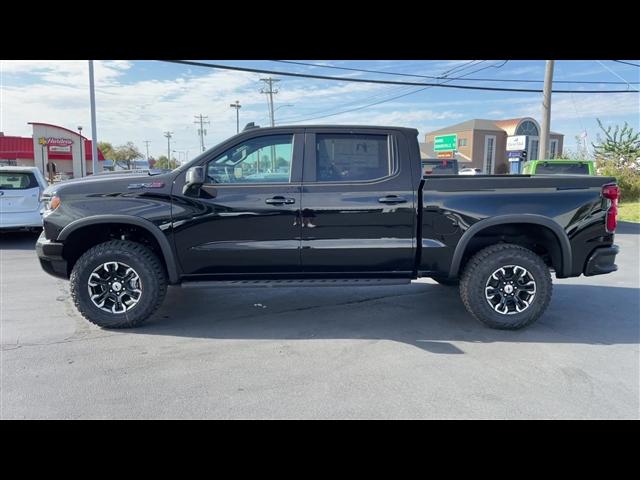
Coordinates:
column 392, row 199
column 278, row 200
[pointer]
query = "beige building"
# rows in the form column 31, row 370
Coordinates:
column 483, row 143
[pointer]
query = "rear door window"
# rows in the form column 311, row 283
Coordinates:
column 443, row 167
column 17, row 181
column 351, row 157
column 562, row 168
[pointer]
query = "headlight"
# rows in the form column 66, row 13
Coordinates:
column 50, row 203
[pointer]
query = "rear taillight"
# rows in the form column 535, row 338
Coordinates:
column 612, row 193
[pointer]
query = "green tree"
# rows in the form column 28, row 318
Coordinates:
column 124, row 155
column 618, row 155
column 620, row 146
column 107, row 150
column 163, row 163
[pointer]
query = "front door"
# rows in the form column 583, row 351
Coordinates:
column 244, row 218
column 358, row 209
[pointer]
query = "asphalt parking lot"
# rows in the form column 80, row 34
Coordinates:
column 377, row 352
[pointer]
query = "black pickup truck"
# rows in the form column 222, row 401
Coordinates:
column 324, row 206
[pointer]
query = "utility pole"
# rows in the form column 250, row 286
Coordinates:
column 543, row 146
column 94, row 132
column 202, row 120
column 237, row 106
column 270, row 81
column 147, row 142
column 168, row 137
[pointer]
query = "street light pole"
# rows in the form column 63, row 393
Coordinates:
column 81, row 159
column 543, row 146
column 237, row 106
column 94, row 131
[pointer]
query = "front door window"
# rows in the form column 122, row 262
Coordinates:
column 258, row 160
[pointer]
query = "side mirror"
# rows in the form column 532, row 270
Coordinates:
column 193, row 180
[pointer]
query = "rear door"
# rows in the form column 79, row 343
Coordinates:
column 358, row 205
column 19, row 192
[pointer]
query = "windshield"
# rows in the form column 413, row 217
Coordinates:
column 17, row 180
column 551, row 168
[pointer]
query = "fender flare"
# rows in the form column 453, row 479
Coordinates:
column 563, row 239
column 161, row 238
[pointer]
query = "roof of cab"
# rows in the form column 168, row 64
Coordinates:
column 334, row 126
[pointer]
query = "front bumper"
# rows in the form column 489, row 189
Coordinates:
column 50, row 256
column 601, row 261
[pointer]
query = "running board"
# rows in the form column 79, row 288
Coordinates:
column 311, row 282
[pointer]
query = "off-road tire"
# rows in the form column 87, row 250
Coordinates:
column 480, row 267
column 142, row 260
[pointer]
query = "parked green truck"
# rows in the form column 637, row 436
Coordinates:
column 559, row 167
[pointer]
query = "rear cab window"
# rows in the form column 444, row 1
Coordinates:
column 17, row 181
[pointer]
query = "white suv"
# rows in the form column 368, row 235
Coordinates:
column 20, row 189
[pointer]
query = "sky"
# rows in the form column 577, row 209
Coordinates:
column 140, row 100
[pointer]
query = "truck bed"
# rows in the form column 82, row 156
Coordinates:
column 453, row 208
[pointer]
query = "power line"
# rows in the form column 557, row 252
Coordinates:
column 627, row 63
column 360, row 100
column 502, row 80
column 613, row 73
column 464, row 66
column 389, row 99
column 383, row 82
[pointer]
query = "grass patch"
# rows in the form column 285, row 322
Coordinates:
column 629, row 212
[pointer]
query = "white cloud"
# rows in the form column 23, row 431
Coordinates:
column 586, row 106
column 138, row 110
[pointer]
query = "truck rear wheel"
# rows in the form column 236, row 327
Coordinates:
column 506, row 286
column 118, row 284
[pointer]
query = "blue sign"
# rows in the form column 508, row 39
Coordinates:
column 515, row 154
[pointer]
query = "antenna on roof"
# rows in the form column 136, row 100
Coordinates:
column 250, row 126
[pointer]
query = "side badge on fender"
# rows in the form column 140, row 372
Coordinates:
column 146, row 185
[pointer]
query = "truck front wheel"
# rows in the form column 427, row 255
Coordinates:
column 506, row 286
column 118, row 284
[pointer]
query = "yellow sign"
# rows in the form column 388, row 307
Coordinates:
column 42, row 141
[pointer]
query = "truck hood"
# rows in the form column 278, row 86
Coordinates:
column 101, row 183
